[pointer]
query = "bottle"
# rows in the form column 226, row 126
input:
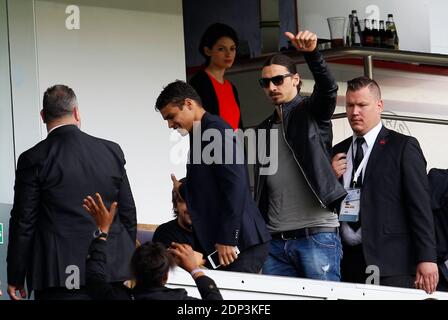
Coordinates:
column 367, row 34
column 356, row 41
column 355, row 30
column 383, row 39
column 393, row 28
column 375, row 34
column 349, row 33
column 389, row 37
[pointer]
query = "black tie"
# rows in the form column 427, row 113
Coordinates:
column 357, row 161
column 358, row 158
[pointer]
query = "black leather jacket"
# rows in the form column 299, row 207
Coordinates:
column 308, row 132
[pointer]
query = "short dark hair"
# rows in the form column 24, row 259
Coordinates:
column 284, row 61
column 59, row 101
column 176, row 92
column 150, row 263
column 175, row 198
column 363, row 82
column 213, row 33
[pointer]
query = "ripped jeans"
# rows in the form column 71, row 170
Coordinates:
column 317, row 256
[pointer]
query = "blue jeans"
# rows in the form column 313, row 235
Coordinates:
column 317, row 256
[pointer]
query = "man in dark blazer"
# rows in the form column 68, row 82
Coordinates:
column 217, row 191
column 50, row 232
column 395, row 214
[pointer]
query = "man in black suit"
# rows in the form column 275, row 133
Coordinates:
column 388, row 172
column 216, row 188
column 50, row 233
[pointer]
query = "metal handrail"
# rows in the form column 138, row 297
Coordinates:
column 386, row 116
column 400, row 118
column 432, row 59
column 368, row 54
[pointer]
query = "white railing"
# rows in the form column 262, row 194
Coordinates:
column 245, row 286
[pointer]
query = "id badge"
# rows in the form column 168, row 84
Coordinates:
column 350, row 206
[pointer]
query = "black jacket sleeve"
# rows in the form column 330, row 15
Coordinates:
column 22, row 225
column 126, row 208
column 323, row 99
column 97, row 286
column 417, row 201
column 232, row 180
column 207, row 288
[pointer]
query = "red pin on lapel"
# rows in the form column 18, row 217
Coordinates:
column 382, row 142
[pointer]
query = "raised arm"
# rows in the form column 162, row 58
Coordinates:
column 323, row 99
column 97, row 285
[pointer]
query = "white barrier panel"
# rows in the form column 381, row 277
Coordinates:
column 246, row 286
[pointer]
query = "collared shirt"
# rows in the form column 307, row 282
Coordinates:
column 369, row 138
column 349, row 236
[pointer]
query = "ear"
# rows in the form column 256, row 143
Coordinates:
column 207, row 51
column 189, row 103
column 380, row 105
column 296, row 80
column 76, row 114
column 42, row 115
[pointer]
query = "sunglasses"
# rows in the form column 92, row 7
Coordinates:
column 277, row 80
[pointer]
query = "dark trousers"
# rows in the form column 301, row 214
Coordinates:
column 353, row 269
column 61, row 294
column 353, row 264
column 443, row 285
column 250, row 260
column 443, row 280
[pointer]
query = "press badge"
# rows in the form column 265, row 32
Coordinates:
column 350, row 206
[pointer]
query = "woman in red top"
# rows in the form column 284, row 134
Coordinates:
column 218, row 46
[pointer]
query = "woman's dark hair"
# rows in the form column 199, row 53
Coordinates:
column 175, row 197
column 213, row 33
column 150, row 263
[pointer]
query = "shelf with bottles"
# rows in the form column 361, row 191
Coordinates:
column 372, row 33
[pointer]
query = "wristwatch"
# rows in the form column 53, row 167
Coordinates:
column 98, row 233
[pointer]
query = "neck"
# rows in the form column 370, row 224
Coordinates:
column 361, row 134
column 199, row 114
column 60, row 122
column 291, row 98
column 183, row 225
column 217, row 73
column 279, row 113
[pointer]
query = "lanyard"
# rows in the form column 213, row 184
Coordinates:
column 361, row 165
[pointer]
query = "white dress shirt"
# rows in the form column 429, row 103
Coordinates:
column 349, row 236
column 369, row 138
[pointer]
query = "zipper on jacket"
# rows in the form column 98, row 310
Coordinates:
column 297, row 161
column 259, row 188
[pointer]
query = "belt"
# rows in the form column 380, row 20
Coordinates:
column 302, row 233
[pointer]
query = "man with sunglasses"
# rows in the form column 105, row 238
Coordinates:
column 298, row 199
